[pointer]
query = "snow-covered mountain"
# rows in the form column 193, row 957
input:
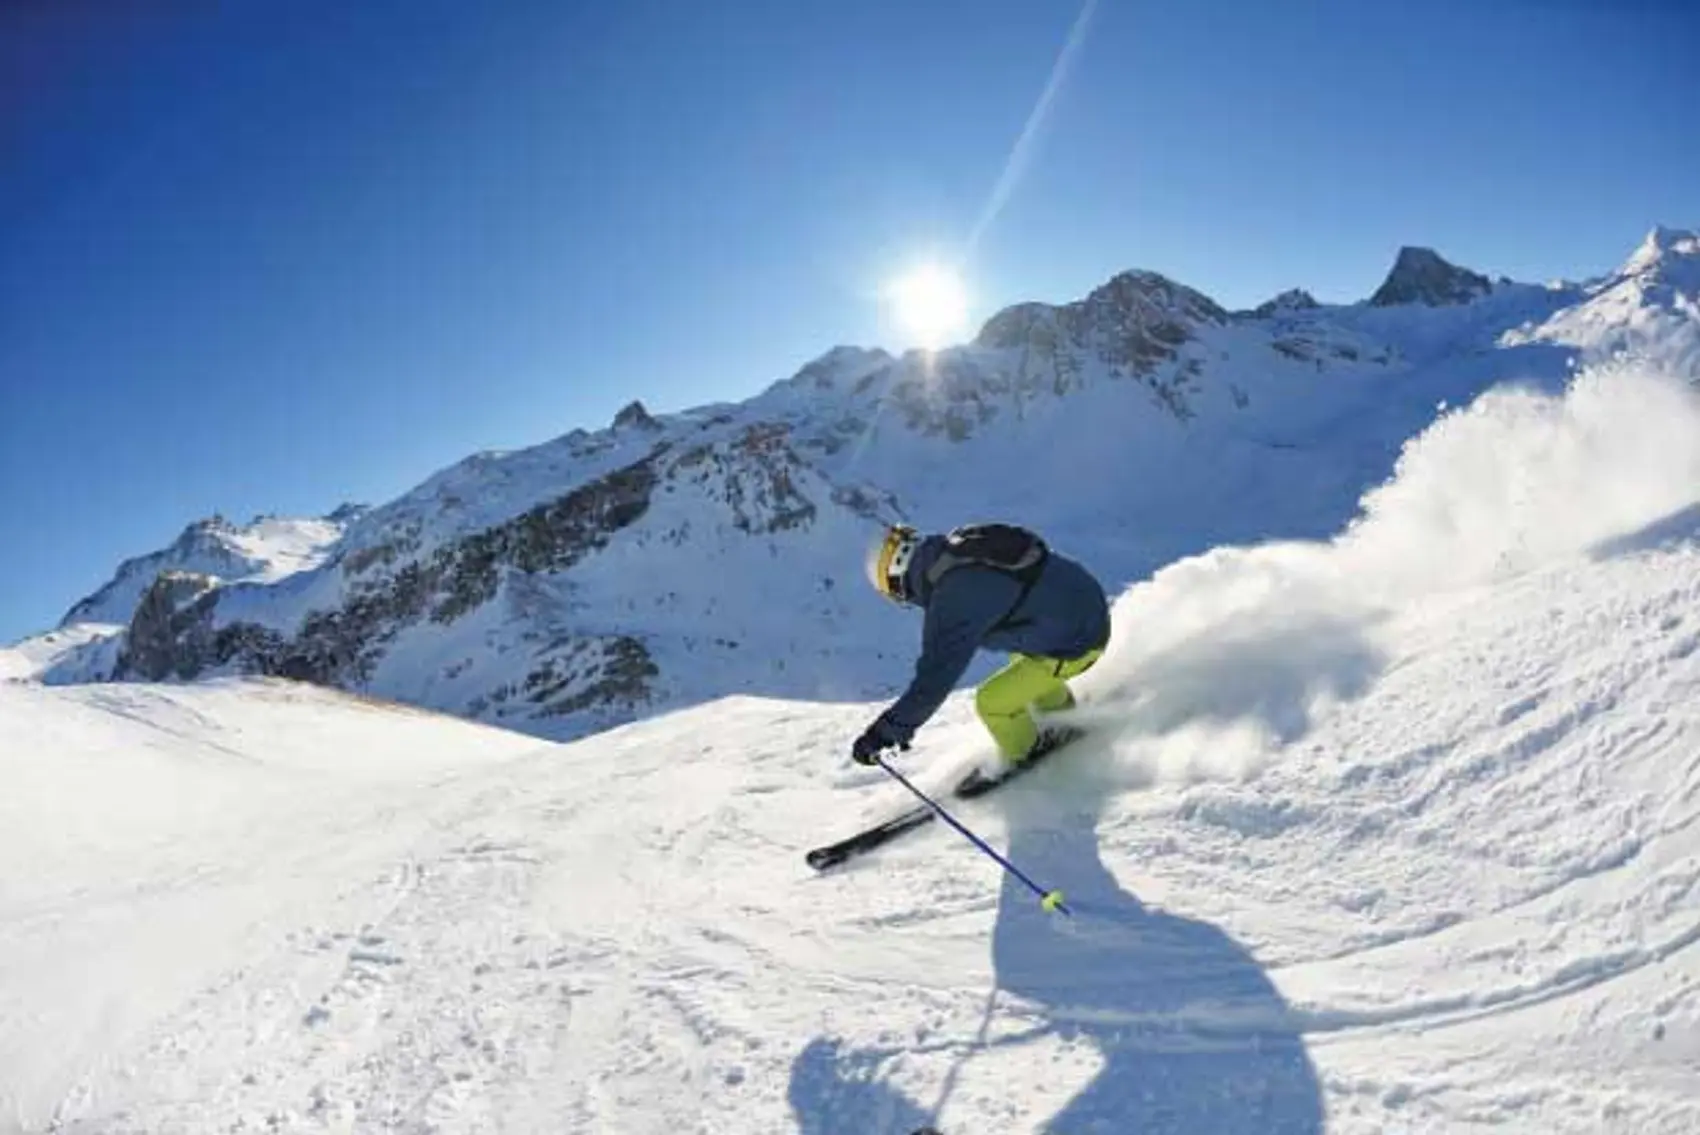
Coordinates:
column 264, row 550
column 1648, row 307
column 674, row 558
column 1397, row 831
column 89, row 642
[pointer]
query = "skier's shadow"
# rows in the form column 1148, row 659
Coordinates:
column 835, row 1091
column 1192, row 1034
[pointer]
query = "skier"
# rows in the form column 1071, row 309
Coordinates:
column 998, row 587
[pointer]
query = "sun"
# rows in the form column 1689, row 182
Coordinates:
column 931, row 305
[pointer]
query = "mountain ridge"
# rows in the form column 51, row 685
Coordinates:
column 670, row 557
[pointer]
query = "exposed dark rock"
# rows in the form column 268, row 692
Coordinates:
column 756, row 474
column 170, row 630
column 618, row 678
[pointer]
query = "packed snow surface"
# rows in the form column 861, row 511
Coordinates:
column 1394, row 832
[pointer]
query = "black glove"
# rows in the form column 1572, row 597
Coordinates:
column 875, row 739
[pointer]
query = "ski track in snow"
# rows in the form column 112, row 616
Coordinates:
column 1391, row 834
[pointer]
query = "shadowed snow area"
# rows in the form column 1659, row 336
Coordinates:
column 1394, row 832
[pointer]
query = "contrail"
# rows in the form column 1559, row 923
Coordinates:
column 1019, row 154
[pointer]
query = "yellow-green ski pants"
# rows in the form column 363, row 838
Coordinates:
column 1030, row 683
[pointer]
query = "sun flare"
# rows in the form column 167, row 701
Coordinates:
column 931, row 304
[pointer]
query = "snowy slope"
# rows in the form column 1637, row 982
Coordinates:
column 79, row 652
column 671, row 560
column 1398, row 831
column 154, row 839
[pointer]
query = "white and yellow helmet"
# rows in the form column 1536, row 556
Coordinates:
column 888, row 562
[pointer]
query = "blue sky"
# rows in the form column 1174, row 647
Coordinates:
column 271, row 257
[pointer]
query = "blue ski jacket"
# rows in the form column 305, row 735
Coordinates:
column 1064, row 615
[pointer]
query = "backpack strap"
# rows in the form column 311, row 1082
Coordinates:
column 1026, row 566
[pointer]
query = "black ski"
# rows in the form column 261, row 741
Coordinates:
column 969, row 787
column 832, row 854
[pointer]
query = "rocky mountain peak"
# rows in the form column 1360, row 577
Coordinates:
column 1660, row 246
column 347, row 512
column 1015, row 324
column 215, row 525
column 208, row 543
column 634, row 416
column 216, row 548
column 1293, row 299
column 1130, row 301
column 839, row 366
column 1422, row 275
column 1135, row 320
column 1150, row 294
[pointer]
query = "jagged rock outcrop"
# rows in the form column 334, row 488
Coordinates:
column 169, row 633
column 1421, row 275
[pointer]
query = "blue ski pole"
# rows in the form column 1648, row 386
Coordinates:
column 1051, row 901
